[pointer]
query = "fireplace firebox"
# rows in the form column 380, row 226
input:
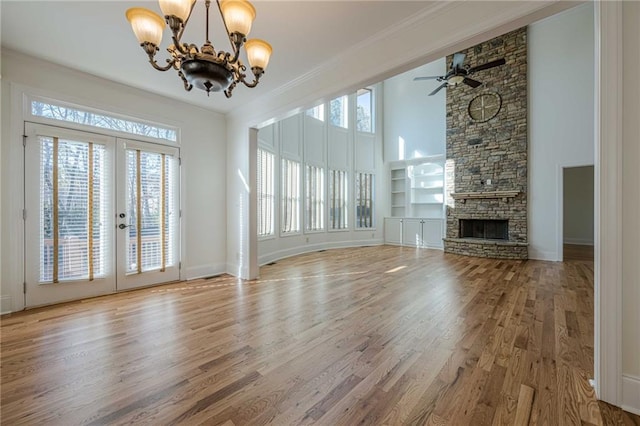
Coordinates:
column 486, row 229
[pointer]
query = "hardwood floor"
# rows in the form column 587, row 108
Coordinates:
column 375, row 335
column 577, row 252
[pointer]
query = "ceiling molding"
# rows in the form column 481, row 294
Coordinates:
column 361, row 65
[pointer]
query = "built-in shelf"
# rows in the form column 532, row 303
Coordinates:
column 417, row 187
column 484, row 195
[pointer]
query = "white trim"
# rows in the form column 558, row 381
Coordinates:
column 6, row 304
column 631, row 394
column 608, row 202
column 204, row 271
column 282, row 254
column 579, row 241
column 535, row 254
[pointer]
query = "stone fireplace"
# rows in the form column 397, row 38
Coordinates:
column 486, row 166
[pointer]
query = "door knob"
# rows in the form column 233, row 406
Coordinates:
column 121, row 215
column 122, row 226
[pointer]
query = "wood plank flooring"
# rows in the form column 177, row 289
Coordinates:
column 577, row 252
column 375, row 335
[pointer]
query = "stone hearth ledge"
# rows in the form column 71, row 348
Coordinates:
column 481, row 241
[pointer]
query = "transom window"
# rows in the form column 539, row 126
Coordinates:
column 339, row 112
column 61, row 111
column 316, row 112
column 364, row 111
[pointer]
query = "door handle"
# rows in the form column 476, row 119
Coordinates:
column 123, row 226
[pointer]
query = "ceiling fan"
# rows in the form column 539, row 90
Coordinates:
column 459, row 73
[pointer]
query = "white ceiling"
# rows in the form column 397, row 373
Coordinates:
column 95, row 37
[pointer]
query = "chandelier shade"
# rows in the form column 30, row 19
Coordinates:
column 178, row 8
column 204, row 68
column 147, row 26
column 238, row 15
column 258, row 53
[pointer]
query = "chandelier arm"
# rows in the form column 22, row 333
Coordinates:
column 257, row 73
column 179, row 46
column 229, row 90
column 232, row 40
column 151, row 50
column 184, row 24
column 155, row 65
column 187, row 85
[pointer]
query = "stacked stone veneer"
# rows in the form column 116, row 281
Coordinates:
column 495, row 150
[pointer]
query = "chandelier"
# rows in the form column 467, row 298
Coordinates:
column 205, row 68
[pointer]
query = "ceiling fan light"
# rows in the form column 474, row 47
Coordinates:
column 177, row 8
column 258, row 53
column 238, row 15
column 455, row 80
column 146, row 25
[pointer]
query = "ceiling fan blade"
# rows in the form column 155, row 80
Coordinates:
column 471, row 82
column 458, row 60
column 432, row 77
column 488, row 65
column 438, row 88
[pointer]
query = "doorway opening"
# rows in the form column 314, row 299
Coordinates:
column 578, row 213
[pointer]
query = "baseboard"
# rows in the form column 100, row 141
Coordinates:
column 282, row 254
column 236, row 270
column 203, row 271
column 578, row 241
column 631, row 394
column 542, row 255
column 6, row 305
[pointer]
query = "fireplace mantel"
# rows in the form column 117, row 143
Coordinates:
column 484, row 195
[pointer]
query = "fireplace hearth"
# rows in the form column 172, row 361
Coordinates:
column 492, row 229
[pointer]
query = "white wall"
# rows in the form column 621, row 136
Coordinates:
column 578, row 205
column 203, row 154
column 631, row 206
column 414, row 122
column 561, row 108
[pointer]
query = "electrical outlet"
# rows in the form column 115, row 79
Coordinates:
column 488, row 181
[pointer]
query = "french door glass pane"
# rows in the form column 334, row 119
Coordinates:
column 149, row 192
column 73, row 210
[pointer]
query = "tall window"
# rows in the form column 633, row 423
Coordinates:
column 338, row 114
column 73, row 210
column 265, row 193
column 290, row 196
column 364, row 111
column 316, row 112
column 149, row 197
column 364, row 200
column 314, row 212
column 338, row 199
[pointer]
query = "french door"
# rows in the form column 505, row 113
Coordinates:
column 148, row 214
column 101, row 214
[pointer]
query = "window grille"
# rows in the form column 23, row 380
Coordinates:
column 338, row 199
column 364, row 200
column 290, row 196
